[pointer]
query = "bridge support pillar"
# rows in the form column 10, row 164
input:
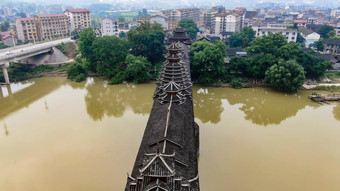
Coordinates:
column 1, row 93
column 4, row 69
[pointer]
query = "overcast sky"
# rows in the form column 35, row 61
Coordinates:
column 188, row 3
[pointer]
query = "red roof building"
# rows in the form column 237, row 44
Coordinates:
column 78, row 18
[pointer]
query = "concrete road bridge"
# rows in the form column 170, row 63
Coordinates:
column 17, row 53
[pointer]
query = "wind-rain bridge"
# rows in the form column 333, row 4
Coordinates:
column 167, row 157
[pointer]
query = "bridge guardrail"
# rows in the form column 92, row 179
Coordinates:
column 36, row 47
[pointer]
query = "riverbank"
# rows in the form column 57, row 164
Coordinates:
column 19, row 72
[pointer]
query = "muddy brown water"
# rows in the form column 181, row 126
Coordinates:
column 59, row 135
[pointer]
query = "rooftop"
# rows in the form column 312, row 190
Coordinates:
column 77, row 10
column 25, row 19
column 52, row 15
column 5, row 34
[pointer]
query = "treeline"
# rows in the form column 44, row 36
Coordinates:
column 134, row 59
column 283, row 65
column 271, row 59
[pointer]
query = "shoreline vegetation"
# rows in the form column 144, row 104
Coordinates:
column 271, row 60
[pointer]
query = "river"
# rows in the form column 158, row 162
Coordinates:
column 60, row 135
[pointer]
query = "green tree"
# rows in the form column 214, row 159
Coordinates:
column 324, row 30
column 21, row 14
column 286, row 75
column 138, row 69
column 190, row 27
column 236, row 40
column 76, row 71
column 109, row 53
column 4, row 26
column 122, row 34
column 148, row 40
column 248, row 35
column 75, row 35
column 239, row 64
column 86, row 38
column 289, row 51
column 315, row 67
column 300, row 38
column 318, row 45
column 268, row 44
column 331, row 34
column 243, row 38
column 207, row 61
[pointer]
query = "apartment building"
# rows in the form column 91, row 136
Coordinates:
column 109, row 27
column 207, row 18
column 228, row 23
column 171, row 15
column 190, row 13
column 290, row 34
column 78, row 18
column 51, row 26
column 26, row 30
column 143, row 18
column 174, row 16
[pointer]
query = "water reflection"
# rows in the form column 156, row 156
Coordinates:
column 260, row 105
column 28, row 95
column 6, row 131
column 336, row 112
column 265, row 106
column 208, row 105
column 113, row 100
column 1, row 93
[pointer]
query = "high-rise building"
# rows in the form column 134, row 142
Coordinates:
column 52, row 26
column 78, row 18
column 109, row 27
column 174, row 16
column 229, row 22
column 26, row 29
column 207, row 18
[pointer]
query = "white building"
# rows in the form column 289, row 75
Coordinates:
column 228, row 23
column 335, row 13
column 309, row 35
column 159, row 19
column 109, row 27
column 78, row 18
column 337, row 31
column 290, row 34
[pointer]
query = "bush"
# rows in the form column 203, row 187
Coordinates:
column 76, row 71
column 80, row 78
column 236, row 84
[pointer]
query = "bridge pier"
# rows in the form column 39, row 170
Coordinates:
column 9, row 90
column 4, row 70
column 1, row 93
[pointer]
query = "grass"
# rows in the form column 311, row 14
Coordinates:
column 333, row 76
column 328, row 88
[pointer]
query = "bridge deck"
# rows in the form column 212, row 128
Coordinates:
column 10, row 54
